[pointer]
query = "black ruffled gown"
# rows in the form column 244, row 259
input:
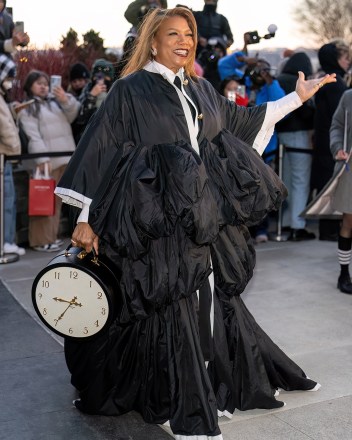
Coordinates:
column 167, row 217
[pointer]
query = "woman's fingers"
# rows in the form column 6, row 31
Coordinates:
column 83, row 236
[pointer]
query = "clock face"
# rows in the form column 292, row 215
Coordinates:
column 71, row 302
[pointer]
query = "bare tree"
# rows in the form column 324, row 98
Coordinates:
column 324, row 20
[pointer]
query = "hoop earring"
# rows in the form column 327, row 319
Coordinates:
column 154, row 51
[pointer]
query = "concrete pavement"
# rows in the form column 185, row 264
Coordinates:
column 292, row 295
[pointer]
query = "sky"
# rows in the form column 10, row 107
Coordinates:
column 47, row 21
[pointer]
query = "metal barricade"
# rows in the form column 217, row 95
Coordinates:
column 279, row 236
column 10, row 258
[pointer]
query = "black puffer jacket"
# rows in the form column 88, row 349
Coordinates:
column 212, row 24
column 302, row 118
column 6, row 28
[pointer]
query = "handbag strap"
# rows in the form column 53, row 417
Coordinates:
column 38, row 175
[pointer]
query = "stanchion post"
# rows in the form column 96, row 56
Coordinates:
column 4, row 258
column 279, row 236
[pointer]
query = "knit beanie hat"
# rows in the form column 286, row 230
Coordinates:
column 104, row 67
column 79, row 71
column 7, row 68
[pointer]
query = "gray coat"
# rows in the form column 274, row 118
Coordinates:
column 341, row 139
column 334, row 198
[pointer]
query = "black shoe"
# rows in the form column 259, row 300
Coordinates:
column 300, row 235
column 328, row 237
column 344, row 284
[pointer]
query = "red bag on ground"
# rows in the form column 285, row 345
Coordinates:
column 41, row 197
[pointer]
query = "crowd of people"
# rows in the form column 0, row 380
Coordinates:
column 308, row 162
column 249, row 81
column 180, row 222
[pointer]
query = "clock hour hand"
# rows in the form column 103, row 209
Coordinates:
column 72, row 302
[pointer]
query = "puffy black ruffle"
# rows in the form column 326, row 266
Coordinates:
column 161, row 207
column 244, row 187
column 147, row 192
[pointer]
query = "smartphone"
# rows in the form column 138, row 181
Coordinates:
column 231, row 95
column 241, row 91
column 55, row 81
column 19, row 26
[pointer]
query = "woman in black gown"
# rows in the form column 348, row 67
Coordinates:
column 168, row 181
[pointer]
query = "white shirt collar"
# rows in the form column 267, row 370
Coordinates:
column 154, row 66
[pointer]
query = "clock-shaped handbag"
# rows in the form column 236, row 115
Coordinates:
column 77, row 294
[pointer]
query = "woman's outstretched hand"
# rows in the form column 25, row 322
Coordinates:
column 84, row 237
column 307, row 88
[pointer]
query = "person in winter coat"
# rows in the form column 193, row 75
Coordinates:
column 333, row 57
column 102, row 77
column 340, row 145
column 175, row 184
column 295, row 133
column 9, row 145
column 236, row 62
column 137, row 9
column 79, row 77
column 211, row 24
column 10, row 37
column 47, row 124
column 263, row 87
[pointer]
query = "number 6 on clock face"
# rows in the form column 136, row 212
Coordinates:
column 70, row 301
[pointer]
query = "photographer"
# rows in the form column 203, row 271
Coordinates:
column 10, row 36
column 94, row 93
column 212, row 24
column 263, row 87
column 235, row 63
column 209, row 57
column 136, row 8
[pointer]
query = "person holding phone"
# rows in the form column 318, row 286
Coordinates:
column 10, row 35
column 46, row 122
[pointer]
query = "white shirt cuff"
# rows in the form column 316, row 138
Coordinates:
column 275, row 111
column 83, row 217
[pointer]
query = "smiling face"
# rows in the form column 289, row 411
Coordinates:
column 174, row 43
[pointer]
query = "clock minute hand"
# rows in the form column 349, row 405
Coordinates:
column 63, row 313
column 71, row 303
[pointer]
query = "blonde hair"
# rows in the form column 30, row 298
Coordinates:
column 150, row 26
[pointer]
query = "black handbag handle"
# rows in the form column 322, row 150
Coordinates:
column 83, row 254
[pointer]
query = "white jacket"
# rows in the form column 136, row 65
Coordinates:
column 51, row 130
column 10, row 143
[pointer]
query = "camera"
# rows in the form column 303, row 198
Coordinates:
column 253, row 37
column 215, row 49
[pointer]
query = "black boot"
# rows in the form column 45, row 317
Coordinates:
column 344, row 284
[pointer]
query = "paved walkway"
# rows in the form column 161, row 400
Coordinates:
column 294, row 298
